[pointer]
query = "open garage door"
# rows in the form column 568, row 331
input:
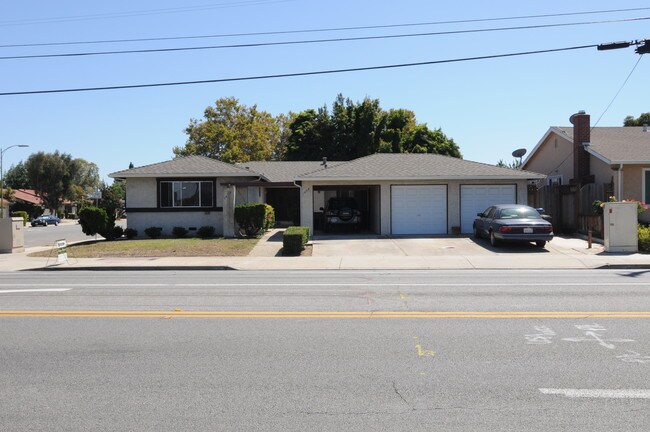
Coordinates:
column 419, row 209
column 476, row 198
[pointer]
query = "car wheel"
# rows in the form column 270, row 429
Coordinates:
column 540, row 244
column 56, row 224
column 493, row 240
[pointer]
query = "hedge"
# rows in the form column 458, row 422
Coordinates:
column 644, row 238
column 294, row 239
column 251, row 218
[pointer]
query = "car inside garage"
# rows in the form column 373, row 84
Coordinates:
column 349, row 202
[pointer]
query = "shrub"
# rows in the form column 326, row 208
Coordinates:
column 179, row 232
column 644, row 238
column 153, row 232
column 130, row 233
column 251, row 219
column 269, row 219
column 205, row 232
column 23, row 214
column 94, row 221
column 294, row 239
column 118, row 231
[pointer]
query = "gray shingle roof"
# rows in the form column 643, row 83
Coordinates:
column 618, row 144
column 282, row 171
column 186, row 166
column 390, row 166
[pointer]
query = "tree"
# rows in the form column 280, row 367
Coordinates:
column 310, row 136
column 232, row 132
column 57, row 176
column 50, row 176
column 643, row 119
column 421, row 139
column 353, row 130
column 515, row 164
column 16, row 177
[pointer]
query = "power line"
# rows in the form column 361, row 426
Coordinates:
column 312, row 41
column 619, row 91
column 296, row 74
column 332, row 29
column 148, row 12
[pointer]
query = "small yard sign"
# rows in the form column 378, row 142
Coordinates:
column 61, row 251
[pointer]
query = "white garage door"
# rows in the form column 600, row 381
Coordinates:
column 476, row 198
column 420, row 209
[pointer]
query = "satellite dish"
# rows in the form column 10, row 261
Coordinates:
column 519, row 153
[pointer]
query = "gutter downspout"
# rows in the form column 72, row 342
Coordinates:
column 620, row 181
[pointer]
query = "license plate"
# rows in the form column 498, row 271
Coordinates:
column 528, row 230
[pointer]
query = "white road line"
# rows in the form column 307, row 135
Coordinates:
column 599, row 393
column 34, row 290
column 335, row 283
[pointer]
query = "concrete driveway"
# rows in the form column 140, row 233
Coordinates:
column 372, row 245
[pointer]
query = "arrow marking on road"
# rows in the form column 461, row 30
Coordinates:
column 599, row 393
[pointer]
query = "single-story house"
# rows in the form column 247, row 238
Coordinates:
column 616, row 160
column 399, row 194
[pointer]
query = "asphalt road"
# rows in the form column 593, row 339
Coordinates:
column 339, row 351
column 47, row 236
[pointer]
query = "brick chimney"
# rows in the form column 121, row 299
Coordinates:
column 581, row 140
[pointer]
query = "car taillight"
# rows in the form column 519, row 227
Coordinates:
column 547, row 228
column 505, row 229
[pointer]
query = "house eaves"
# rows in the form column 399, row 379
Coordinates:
column 529, row 176
column 553, row 129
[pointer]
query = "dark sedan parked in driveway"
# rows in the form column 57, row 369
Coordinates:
column 513, row 222
column 46, row 220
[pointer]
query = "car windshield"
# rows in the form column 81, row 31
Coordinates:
column 519, row 213
column 339, row 203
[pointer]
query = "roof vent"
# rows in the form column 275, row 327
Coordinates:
column 324, row 163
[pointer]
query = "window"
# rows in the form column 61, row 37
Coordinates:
column 186, row 194
column 554, row 180
column 646, row 185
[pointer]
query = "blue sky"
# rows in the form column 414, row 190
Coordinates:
column 489, row 107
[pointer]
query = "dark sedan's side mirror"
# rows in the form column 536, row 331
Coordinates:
column 479, row 214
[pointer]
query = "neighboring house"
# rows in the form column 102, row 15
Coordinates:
column 604, row 160
column 399, row 194
column 28, row 196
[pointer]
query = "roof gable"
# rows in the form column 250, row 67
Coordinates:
column 284, row 171
column 185, row 166
column 612, row 145
column 394, row 166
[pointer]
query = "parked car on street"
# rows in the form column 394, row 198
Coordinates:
column 46, row 220
column 513, row 223
column 342, row 211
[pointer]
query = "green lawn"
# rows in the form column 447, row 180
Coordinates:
column 189, row 247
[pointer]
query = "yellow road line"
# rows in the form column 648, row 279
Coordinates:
column 324, row 314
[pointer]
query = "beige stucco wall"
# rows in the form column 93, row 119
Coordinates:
column 142, row 193
column 553, row 157
column 453, row 198
column 601, row 171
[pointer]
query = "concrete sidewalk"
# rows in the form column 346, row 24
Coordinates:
column 335, row 253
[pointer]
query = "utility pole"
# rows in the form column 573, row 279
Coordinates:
column 2, row 179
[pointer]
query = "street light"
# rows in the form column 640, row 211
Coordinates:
column 2, row 178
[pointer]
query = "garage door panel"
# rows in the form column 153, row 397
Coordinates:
column 476, row 198
column 419, row 209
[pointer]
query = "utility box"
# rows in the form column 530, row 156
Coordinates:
column 621, row 227
column 12, row 235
